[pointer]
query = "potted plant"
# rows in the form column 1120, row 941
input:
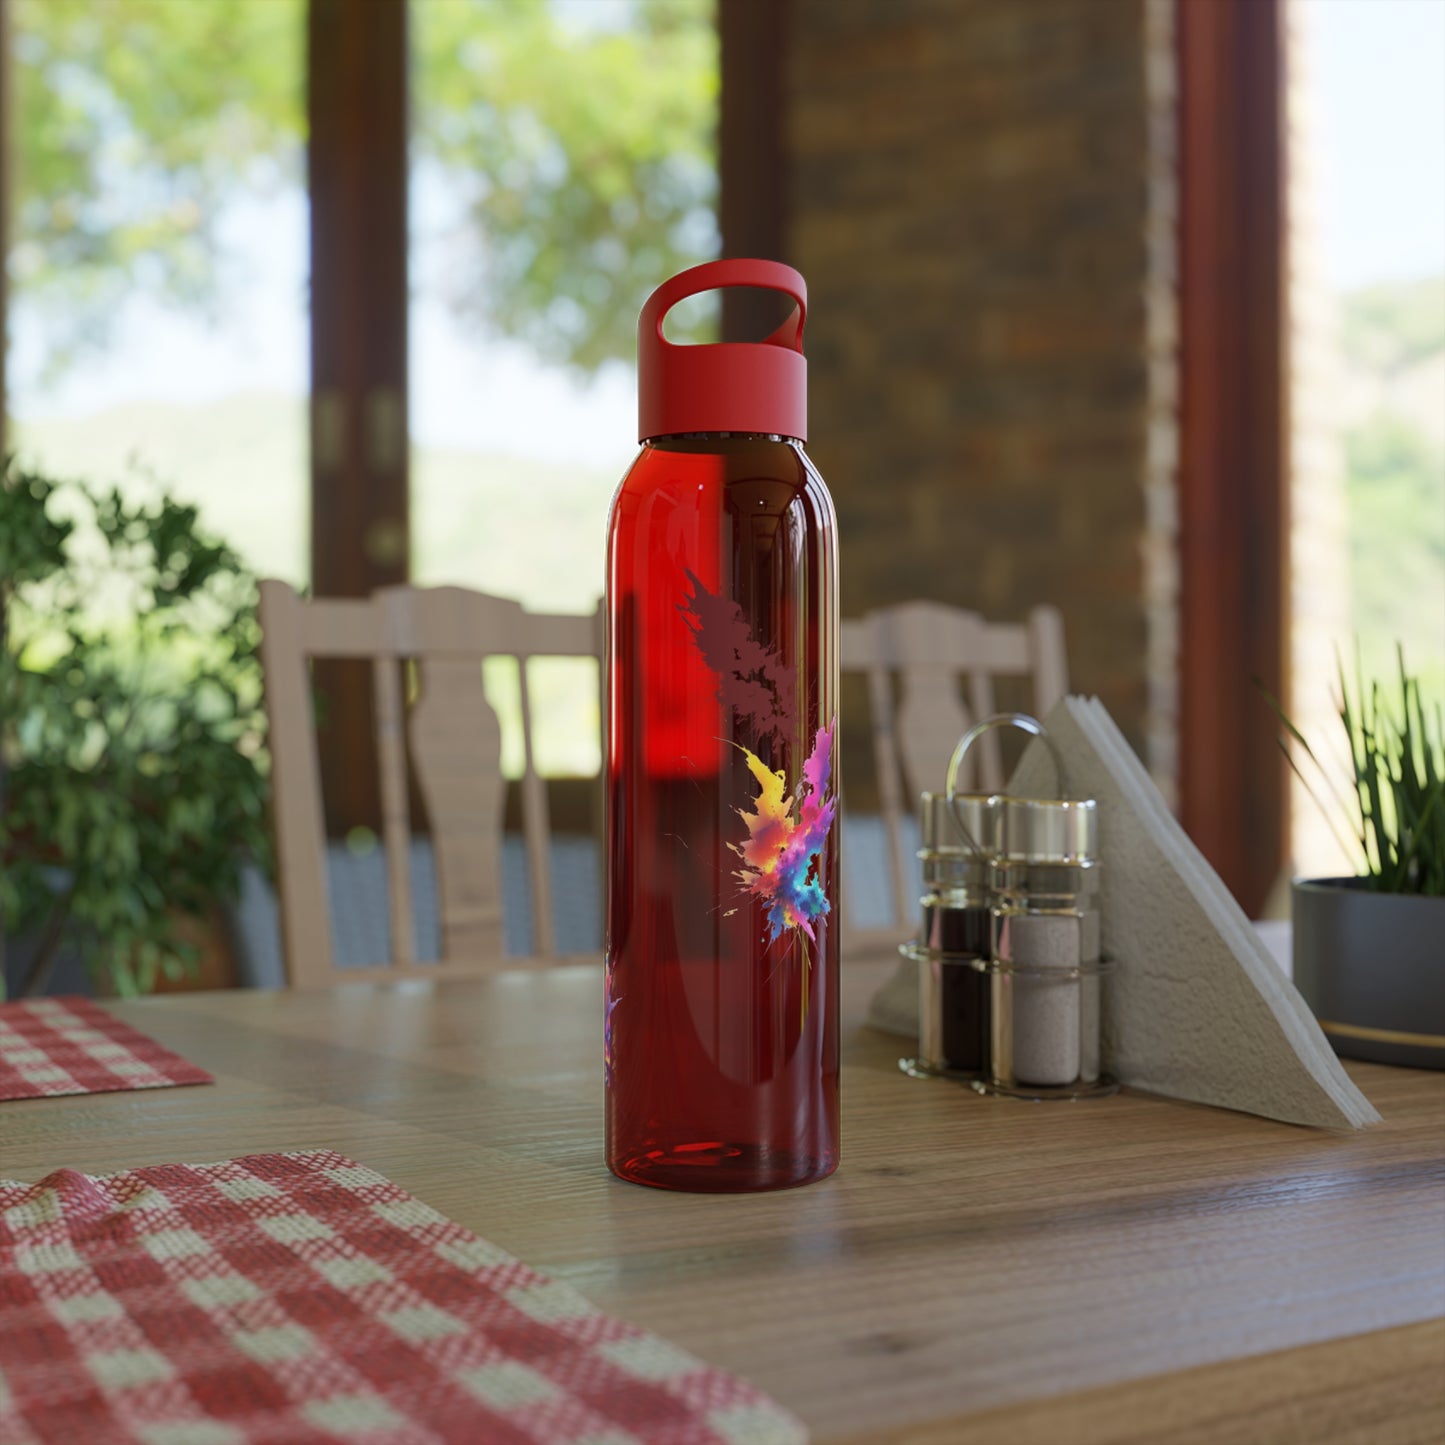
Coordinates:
column 1369, row 951
column 132, row 772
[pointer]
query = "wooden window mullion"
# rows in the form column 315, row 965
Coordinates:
column 752, row 151
column 357, row 177
column 1233, row 438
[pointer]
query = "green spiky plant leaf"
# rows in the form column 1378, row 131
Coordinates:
column 1395, row 809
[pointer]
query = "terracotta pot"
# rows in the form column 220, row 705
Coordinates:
column 1372, row 967
column 216, row 966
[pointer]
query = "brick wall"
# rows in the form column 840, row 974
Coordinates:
column 977, row 206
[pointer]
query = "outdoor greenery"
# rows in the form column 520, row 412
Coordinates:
column 1394, row 326
column 131, row 732
column 1393, row 345
column 1396, row 490
column 583, row 152
column 1395, row 810
column 586, row 158
column 135, row 122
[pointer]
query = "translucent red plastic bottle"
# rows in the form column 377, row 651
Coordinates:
column 722, row 769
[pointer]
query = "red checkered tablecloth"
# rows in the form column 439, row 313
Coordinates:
column 301, row 1298
column 73, row 1046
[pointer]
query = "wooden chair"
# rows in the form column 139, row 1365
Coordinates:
column 929, row 647
column 455, row 742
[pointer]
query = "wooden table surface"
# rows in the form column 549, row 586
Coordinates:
column 979, row 1270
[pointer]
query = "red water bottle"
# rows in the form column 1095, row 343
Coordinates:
column 722, row 766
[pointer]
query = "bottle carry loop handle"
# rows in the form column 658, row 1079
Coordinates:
column 719, row 276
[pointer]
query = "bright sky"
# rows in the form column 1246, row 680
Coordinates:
column 1378, row 68
column 1377, row 72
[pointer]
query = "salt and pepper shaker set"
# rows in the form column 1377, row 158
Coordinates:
column 1009, row 966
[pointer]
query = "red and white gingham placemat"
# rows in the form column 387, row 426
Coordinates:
column 73, row 1046
column 301, row 1298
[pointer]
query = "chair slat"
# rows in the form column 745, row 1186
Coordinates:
column 535, row 824
column 295, row 788
column 457, row 747
column 1046, row 652
column 340, row 627
column 931, row 719
column 990, row 759
column 395, row 814
column 890, row 787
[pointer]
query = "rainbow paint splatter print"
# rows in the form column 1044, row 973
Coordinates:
column 783, row 851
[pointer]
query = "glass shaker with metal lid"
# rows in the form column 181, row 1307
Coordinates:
column 1045, row 969
column 1010, row 971
column 954, row 940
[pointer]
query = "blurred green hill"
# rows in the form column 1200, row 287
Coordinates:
column 521, row 528
column 1393, row 356
column 518, row 528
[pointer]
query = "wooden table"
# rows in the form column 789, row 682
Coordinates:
column 979, row 1270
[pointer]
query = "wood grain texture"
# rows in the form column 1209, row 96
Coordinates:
column 1385, row 1388
column 296, row 817
column 971, row 1255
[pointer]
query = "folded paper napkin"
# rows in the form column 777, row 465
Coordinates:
column 73, row 1046
column 303, row 1298
column 1196, row 1007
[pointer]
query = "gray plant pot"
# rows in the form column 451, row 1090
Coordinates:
column 1372, row 967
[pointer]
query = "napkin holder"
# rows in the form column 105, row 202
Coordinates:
column 1197, row 1008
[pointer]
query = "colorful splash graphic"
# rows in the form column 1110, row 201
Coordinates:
column 783, row 851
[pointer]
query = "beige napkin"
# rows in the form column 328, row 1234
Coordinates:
column 1197, row 1008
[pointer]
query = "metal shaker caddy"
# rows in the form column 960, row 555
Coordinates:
column 1010, row 976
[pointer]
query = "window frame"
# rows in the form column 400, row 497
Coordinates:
column 1234, row 438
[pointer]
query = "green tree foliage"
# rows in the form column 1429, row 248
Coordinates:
column 130, row 726
column 1396, row 492
column 135, row 121
column 1390, row 327
column 583, row 152
column 1385, row 446
column 585, row 156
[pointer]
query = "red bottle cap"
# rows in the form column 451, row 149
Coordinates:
column 750, row 386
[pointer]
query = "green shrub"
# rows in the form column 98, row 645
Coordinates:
column 131, row 732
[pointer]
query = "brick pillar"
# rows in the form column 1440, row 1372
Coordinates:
column 976, row 203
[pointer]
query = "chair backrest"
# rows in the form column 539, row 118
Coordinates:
column 930, row 647
column 455, row 738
